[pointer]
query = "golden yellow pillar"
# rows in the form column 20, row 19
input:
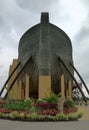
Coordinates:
column 62, row 87
column 44, row 86
column 20, row 89
column 23, row 93
column 70, row 89
column 27, row 86
column 67, row 93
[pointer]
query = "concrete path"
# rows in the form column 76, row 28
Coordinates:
column 18, row 125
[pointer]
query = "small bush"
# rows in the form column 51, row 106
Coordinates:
column 52, row 118
column 61, row 117
column 28, row 101
column 21, row 115
column 41, row 117
column 14, row 115
column 28, row 116
column 40, row 101
column 18, row 105
column 34, row 116
column 5, row 115
column 53, row 98
column 1, row 114
column 73, row 116
column 69, row 103
column 33, row 109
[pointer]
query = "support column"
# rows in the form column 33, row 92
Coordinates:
column 27, row 87
column 23, row 92
column 20, row 89
column 70, row 89
column 67, row 93
column 62, row 87
column 44, row 86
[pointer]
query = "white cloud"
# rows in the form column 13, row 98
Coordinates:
column 36, row 6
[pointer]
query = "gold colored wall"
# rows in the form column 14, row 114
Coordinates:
column 19, row 91
column 44, row 86
column 14, row 93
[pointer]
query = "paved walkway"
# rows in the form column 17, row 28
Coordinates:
column 17, row 125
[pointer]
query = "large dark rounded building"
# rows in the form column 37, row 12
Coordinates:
column 44, row 43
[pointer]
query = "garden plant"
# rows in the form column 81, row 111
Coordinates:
column 45, row 109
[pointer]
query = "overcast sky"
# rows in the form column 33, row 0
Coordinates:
column 17, row 16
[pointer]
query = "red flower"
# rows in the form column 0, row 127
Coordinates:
column 51, row 112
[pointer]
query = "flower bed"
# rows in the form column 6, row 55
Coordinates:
column 36, row 117
column 40, row 110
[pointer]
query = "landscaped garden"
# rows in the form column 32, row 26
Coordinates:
column 47, row 109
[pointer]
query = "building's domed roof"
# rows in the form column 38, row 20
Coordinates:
column 59, row 41
column 44, row 42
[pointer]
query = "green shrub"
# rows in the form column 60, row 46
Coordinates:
column 40, row 101
column 73, row 116
column 14, row 115
column 1, row 114
column 28, row 116
column 69, row 102
column 52, row 118
column 18, row 105
column 33, row 109
column 5, row 115
column 61, row 117
column 34, row 116
column 28, row 101
column 21, row 115
column 41, row 117
column 53, row 98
